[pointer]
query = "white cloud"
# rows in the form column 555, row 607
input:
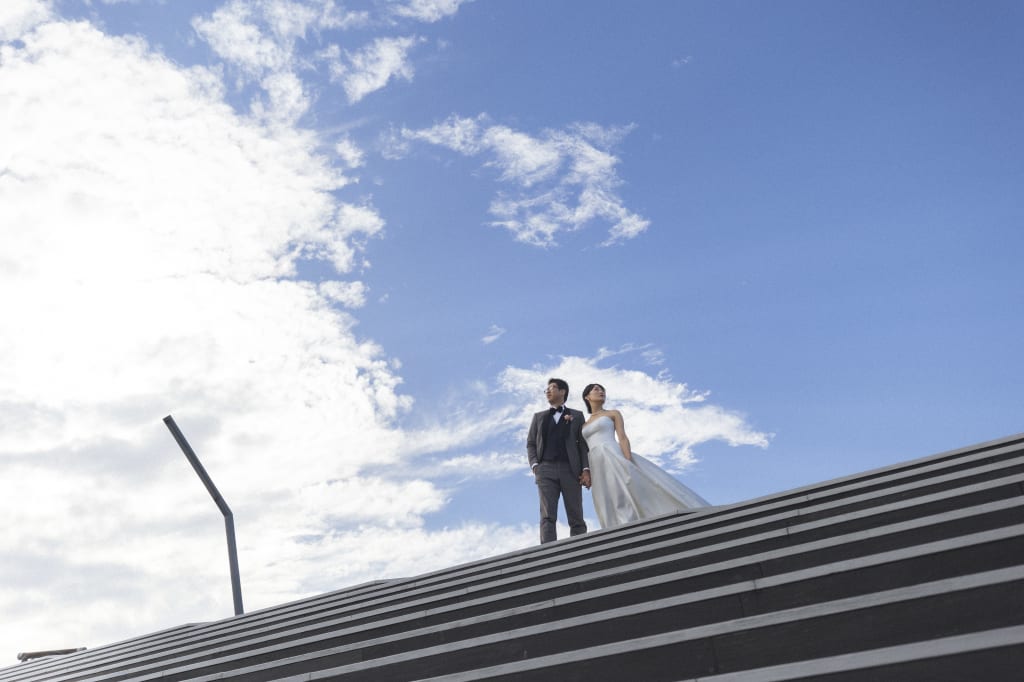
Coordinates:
column 349, row 153
column 286, row 98
column 493, row 334
column 150, row 244
column 453, row 423
column 562, row 180
column 523, row 159
column 334, row 16
column 233, row 33
column 489, row 465
column 427, row 10
column 348, row 294
column 394, row 504
column 18, row 16
column 259, row 38
column 372, row 67
column 459, row 134
column 291, row 20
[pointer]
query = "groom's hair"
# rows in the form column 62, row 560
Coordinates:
column 562, row 386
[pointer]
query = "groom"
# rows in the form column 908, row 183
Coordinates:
column 558, row 456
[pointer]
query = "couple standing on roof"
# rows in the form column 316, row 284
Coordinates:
column 569, row 451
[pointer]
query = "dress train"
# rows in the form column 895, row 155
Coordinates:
column 624, row 490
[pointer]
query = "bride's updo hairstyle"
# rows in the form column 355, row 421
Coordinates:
column 586, row 392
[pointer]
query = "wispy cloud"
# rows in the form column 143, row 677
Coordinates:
column 371, row 68
column 650, row 353
column 426, row 10
column 350, row 154
column 463, row 467
column 562, row 180
column 348, row 294
column 259, row 39
column 234, row 32
column 493, row 334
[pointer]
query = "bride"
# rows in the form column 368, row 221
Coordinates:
column 625, row 486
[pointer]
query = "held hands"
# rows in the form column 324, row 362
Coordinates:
column 585, row 479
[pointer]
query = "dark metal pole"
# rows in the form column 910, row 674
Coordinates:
column 229, row 519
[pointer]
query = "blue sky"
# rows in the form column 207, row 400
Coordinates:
column 345, row 245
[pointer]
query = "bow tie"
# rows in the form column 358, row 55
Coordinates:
column 556, row 409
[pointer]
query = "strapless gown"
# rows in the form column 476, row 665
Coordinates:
column 624, row 490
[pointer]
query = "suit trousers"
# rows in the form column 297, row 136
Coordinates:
column 554, row 479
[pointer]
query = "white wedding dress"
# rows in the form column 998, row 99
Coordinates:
column 624, row 490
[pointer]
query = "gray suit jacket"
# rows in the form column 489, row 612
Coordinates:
column 575, row 444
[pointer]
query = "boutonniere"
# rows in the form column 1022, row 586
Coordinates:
column 567, row 417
